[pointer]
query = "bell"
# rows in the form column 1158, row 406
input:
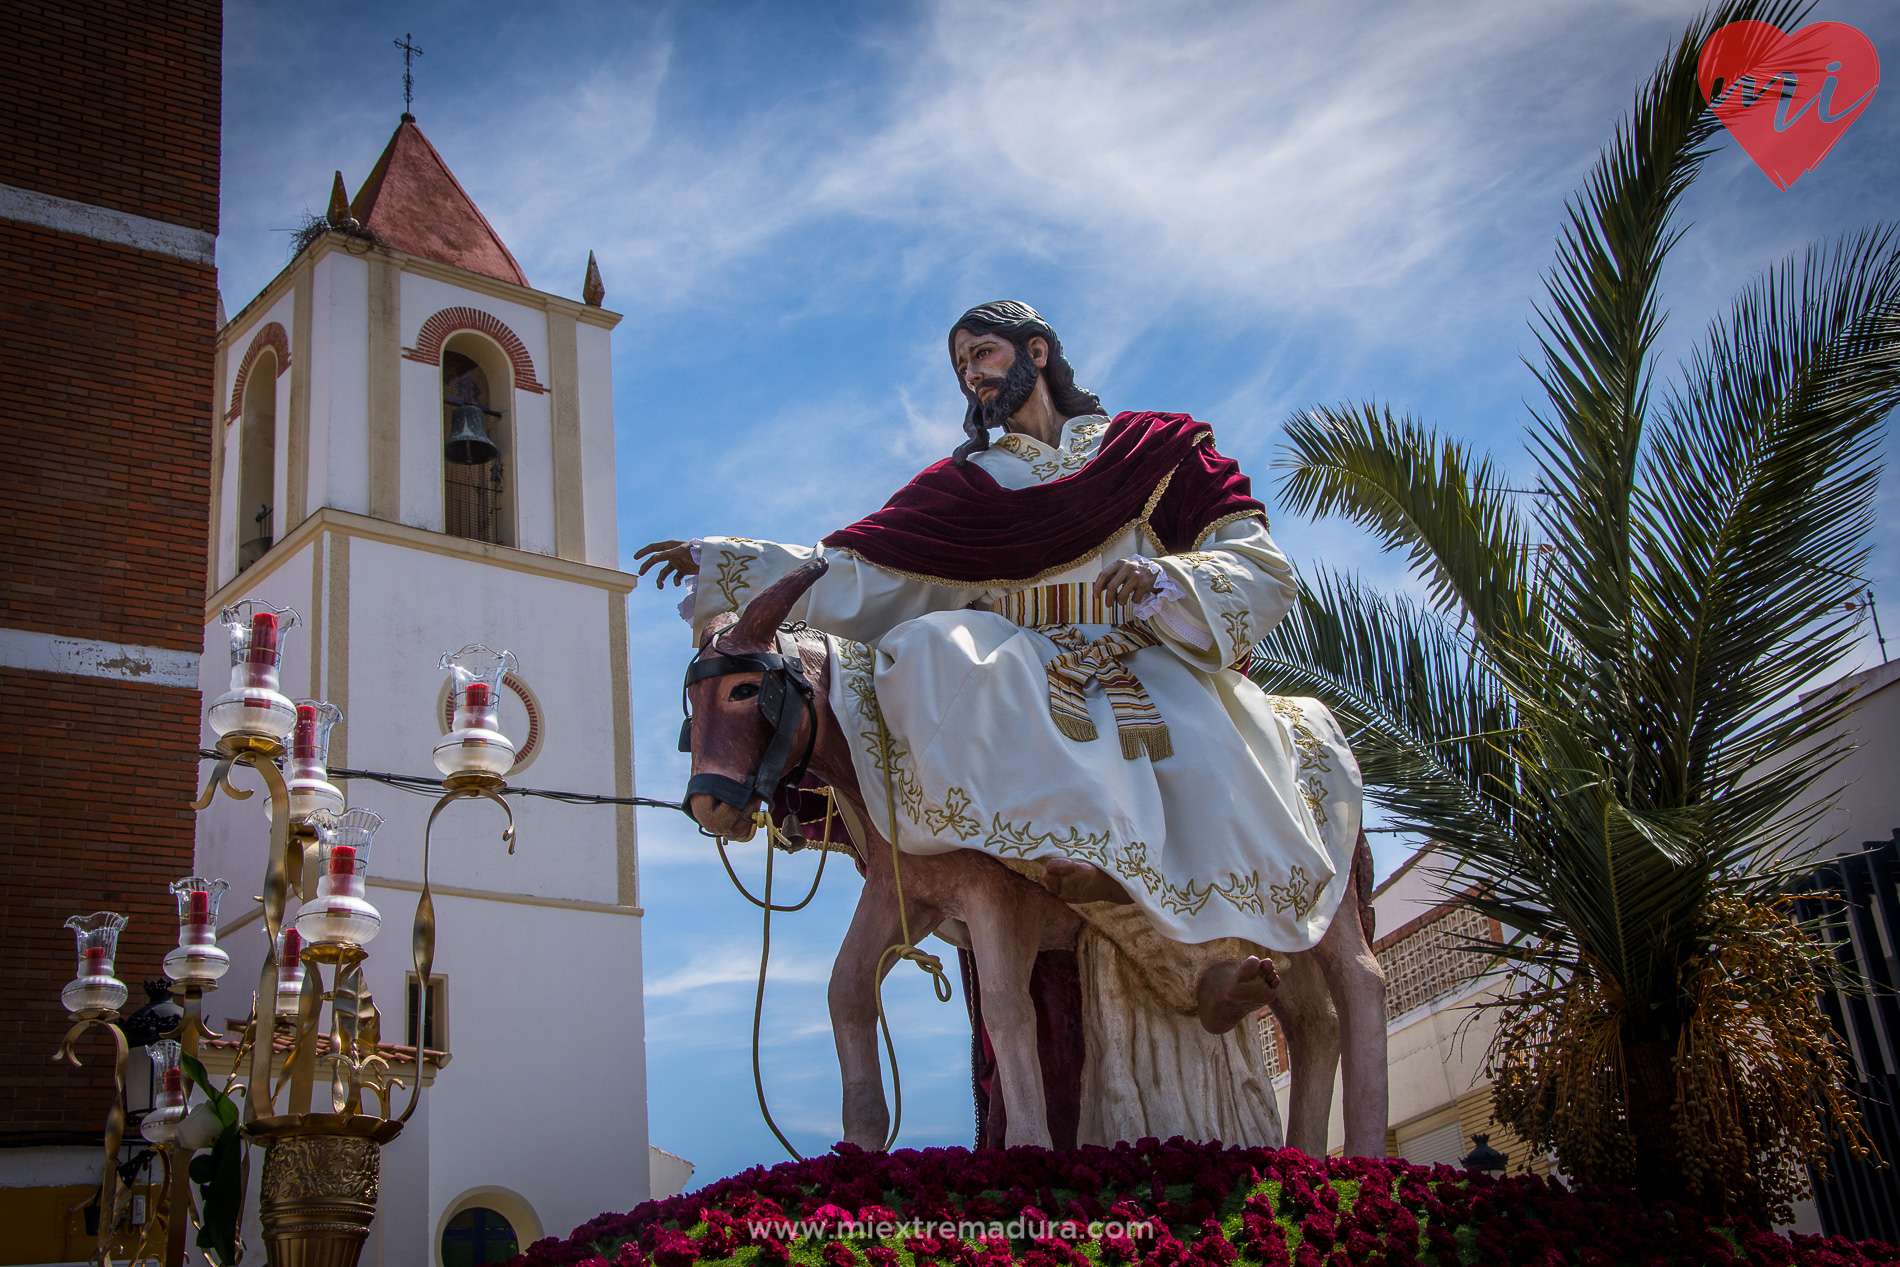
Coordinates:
column 469, row 444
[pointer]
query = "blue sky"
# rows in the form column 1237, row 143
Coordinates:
column 1228, row 209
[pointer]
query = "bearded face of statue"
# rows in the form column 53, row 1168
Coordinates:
column 997, row 374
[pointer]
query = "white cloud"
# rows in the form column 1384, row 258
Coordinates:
column 724, row 966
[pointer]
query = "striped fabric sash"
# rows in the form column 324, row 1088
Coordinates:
column 1137, row 720
column 1040, row 606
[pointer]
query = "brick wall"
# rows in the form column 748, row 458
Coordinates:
column 115, row 103
column 104, row 497
column 96, row 780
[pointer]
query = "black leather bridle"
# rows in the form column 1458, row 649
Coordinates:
column 783, row 692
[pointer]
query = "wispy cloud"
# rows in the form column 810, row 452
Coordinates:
column 726, row 965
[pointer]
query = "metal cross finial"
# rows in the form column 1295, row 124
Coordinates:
column 409, row 53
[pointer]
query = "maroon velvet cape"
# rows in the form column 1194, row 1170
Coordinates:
column 956, row 524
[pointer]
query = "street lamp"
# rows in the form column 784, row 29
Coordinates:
column 1484, row 1157
column 322, row 1157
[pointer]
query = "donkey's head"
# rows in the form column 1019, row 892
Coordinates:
column 753, row 717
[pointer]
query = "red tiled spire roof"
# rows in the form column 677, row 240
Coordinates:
column 414, row 203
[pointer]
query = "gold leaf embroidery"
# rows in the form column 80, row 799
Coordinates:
column 1315, row 793
column 951, row 818
column 732, row 574
column 1020, row 842
column 1300, row 893
column 1239, row 629
column 1212, row 567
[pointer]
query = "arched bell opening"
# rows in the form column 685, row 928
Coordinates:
column 477, row 440
column 257, row 462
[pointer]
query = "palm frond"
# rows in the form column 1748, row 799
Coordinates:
column 1599, row 328
column 1428, row 725
column 1751, row 529
column 1429, row 496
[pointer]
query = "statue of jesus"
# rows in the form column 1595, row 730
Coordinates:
column 1055, row 628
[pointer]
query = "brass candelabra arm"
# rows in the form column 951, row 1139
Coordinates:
column 109, row 1195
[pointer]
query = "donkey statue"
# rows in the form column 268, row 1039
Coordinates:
column 759, row 694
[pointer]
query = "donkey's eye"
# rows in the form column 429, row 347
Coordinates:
column 745, row 690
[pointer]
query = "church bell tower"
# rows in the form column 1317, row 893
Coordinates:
column 414, row 448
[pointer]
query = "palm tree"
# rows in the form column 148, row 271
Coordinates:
column 1592, row 709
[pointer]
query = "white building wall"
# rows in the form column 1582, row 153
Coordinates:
column 533, row 471
column 339, row 385
column 1864, row 791
column 597, row 441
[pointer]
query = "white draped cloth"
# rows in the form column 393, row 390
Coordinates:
column 1245, row 829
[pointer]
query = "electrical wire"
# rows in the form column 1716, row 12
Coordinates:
column 430, row 785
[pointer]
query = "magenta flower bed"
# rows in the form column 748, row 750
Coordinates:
column 1202, row 1206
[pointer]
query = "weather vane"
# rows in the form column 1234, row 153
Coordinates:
column 409, row 53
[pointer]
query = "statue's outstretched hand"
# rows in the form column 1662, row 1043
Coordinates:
column 674, row 557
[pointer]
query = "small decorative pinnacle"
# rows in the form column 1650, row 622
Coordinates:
column 592, row 290
column 339, row 215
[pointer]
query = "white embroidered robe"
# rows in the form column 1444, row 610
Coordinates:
column 1245, row 831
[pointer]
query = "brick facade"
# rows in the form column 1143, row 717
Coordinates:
column 105, row 496
column 115, row 103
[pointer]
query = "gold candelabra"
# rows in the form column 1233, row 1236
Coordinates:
column 322, row 1155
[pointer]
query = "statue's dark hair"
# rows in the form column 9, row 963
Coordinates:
column 1019, row 323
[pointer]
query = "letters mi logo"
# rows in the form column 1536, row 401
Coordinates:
column 1787, row 98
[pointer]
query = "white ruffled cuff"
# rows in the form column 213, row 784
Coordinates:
column 1167, row 589
column 691, row 587
column 1161, row 608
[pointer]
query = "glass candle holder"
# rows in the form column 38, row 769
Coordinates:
column 254, row 706
column 168, row 1093
column 475, row 744
column 290, row 970
column 308, row 771
column 93, row 987
column 339, row 914
column 197, row 959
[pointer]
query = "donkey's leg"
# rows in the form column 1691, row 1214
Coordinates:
column 853, row 998
column 1006, row 934
column 1304, row 1007
column 1357, row 984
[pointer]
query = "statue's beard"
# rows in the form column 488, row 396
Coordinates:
column 1012, row 390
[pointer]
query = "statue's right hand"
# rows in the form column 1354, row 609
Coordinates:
column 674, row 557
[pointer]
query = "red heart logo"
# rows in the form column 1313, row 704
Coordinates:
column 1788, row 98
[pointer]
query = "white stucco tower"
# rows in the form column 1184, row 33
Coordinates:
column 332, row 495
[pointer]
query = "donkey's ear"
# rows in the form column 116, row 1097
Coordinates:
column 759, row 622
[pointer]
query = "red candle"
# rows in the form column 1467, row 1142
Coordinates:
column 199, row 909
column 342, row 860
column 293, row 950
column 304, row 742
column 476, row 696
column 264, row 638
column 98, row 960
column 175, row 1083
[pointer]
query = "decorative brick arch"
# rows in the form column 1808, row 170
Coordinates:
column 436, row 330
column 272, row 336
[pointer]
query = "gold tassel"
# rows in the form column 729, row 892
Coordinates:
column 1081, row 729
column 1155, row 739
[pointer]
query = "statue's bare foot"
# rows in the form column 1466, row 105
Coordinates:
column 1074, row 881
column 1234, row 989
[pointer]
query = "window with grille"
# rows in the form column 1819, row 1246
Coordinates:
column 428, row 1014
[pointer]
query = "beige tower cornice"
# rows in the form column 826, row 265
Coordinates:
column 525, row 296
